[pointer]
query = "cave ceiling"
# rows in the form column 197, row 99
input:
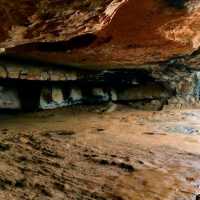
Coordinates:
column 100, row 33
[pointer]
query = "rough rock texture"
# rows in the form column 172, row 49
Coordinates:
column 158, row 40
column 171, row 83
column 101, row 33
column 78, row 154
column 28, row 21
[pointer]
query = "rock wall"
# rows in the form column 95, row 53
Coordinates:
column 103, row 34
column 169, row 84
column 143, row 52
column 27, row 21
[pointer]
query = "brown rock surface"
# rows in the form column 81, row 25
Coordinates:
column 80, row 154
column 28, row 21
column 106, row 34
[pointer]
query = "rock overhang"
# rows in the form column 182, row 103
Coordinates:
column 102, row 34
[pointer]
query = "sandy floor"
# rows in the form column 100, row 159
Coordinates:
column 82, row 154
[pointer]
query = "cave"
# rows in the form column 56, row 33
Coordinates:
column 90, row 88
column 100, row 100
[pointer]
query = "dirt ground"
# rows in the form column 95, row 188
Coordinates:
column 83, row 154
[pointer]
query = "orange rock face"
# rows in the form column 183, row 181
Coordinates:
column 27, row 21
column 104, row 34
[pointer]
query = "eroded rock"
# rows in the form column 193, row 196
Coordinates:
column 103, row 34
column 9, row 98
column 72, row 52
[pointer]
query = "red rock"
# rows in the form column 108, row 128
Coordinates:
column 104, row 34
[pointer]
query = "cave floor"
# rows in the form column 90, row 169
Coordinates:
column 84, row 154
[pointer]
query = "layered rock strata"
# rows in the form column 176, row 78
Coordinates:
column 101, row 34
column 59, row 53
column 41, row 85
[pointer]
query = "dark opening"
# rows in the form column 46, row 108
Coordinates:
column 29, row 95
column 60, row 46
column 179, row 4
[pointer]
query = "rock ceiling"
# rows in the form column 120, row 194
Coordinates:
column 102, row 33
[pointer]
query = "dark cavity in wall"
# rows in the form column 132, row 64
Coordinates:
column 28, row 92
column 179, row 4
column 29, row 95
column 92, row 87
column 74, row 43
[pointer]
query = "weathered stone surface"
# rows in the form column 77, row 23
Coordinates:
column 157, row 39
column 24, row 71
column 103, row 34
column 76, row 94
column 142, row 92
column 3, row 73
column 144, row 89
column 9, row 98
column 100, row 94
column 45, row 98
column 13, row 71
column 27, row 21
column 57, row 95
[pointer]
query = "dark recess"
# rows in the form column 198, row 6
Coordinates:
column 179, row 4
column 29, row 95
column 74, row 43
column 60, row 46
